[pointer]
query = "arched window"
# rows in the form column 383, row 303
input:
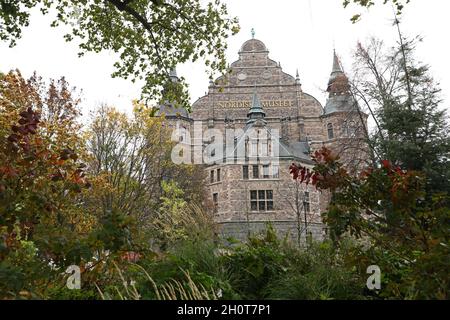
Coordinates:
column 330, row 131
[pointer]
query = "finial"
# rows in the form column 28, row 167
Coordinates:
column 297, row 78
column 336, row 63
column 253, row 33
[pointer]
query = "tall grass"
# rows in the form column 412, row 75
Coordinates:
column 170, row 290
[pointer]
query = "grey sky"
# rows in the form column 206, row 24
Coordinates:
column 298, row 33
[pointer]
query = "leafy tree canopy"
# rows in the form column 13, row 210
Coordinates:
column 151, row 36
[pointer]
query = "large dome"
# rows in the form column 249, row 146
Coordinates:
column 253, row 45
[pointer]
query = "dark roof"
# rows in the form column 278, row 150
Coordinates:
column 337, row 103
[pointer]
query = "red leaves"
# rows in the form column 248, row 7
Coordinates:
column 303, row 174
column 8, row 172
column 68, row 153
column 294, row 170
column 325, row 156
column 386, row 164
column 27, row 124
column 131, row 256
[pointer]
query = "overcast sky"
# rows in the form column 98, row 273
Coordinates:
column 300, row 34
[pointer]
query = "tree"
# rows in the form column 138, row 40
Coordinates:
column 294, row 195
column 132, row 169
column 151, row 36
column 385, row 206
column 41, row 176
column 129, row 158
column 412, row 129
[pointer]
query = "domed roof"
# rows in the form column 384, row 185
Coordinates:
column 253, row 45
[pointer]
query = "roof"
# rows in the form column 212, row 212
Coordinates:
column 170, row 110
column 339, row 103
column 253, row 45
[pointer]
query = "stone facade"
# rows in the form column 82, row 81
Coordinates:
column 248, row 190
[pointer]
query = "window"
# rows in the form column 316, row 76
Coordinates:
column 254, row 200
column 275, row 172
column 330, row 131
column 255, row 172
column 245, row 172
column 269, row 199
column 352, row 128
column 213, row 152
column 218, row 174
column 216, row 202
column 247, row 151
column 306, row 203
column 261, row 200
column 212, row 176
column 254, row 151
column 266, row 173
column 345, row 130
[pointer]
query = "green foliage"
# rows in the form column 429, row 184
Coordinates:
column 408, row 235
column 267, row 268
column 262, row 268
column 151, row 36
column 319, row 272
column 397, row 4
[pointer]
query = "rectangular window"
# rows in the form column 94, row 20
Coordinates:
column 275, row 172
column 266, row 174
column 218, row 174
column 254, row 200
column 255, row 172
column 211, row 178
column 261, row 200
column 306, row 203
column 245, row 172
column 216, row 202
column 254, row 151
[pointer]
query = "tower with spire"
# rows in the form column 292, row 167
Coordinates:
column 342, row 116
column 256, row 113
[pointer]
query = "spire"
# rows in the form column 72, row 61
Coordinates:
column 336, row 64
column 256, row 111
column 253, row 33
column 338, row 83
column 340, row 98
